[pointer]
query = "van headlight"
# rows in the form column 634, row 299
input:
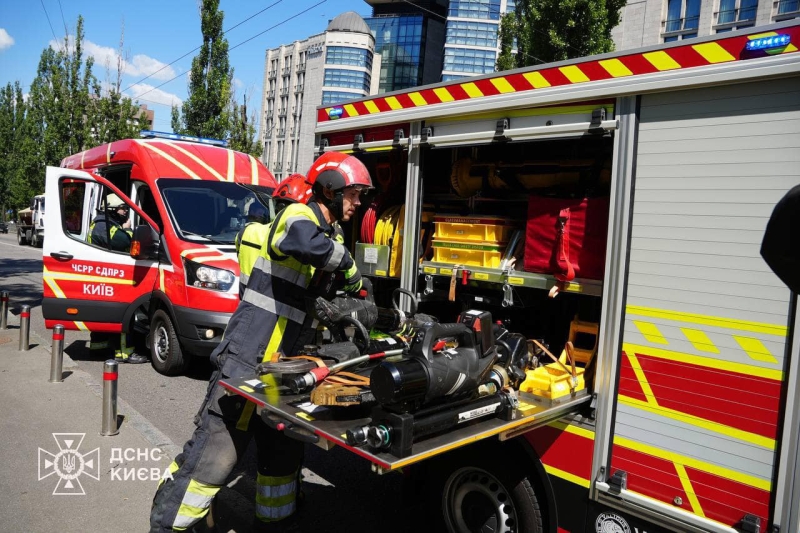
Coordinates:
column 206, row 277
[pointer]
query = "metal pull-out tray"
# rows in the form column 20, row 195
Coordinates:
column 327, row 426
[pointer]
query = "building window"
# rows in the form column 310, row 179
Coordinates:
column 475, row 9
column 345, row 55
column 471, row 33
column 468, row 60
column 349, row 79
column 683, row 17
column 735, row 15
column 453, row 77
column 335, row 97
column 786, row 7
column 401, row 43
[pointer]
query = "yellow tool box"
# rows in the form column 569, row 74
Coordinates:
column 485, row 229
column 468, row 254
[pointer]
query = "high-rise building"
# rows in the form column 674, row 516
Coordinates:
column 409, row 37
column 649, row 22
column 472, row 41
column 336, row 65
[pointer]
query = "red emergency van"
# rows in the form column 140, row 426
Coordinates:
column 177, row 282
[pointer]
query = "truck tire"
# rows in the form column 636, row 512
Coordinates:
column 21, row 240
column 35, row 242
column 484, row 491
column 165, row 348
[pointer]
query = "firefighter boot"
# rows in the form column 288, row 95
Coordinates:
column 125, row 353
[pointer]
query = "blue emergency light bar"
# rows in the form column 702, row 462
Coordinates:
column 148, row 134
column 764, row 43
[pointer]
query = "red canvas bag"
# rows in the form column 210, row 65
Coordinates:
column 566, row 237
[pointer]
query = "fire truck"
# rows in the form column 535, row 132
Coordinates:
column 661, row 168
column 177, row 280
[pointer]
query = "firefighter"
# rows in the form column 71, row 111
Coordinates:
column 271, row 319
column 111, row 230
column 293, row 189
column 248, row 242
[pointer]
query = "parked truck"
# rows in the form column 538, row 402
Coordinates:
column 30, row 223
column 626, row 192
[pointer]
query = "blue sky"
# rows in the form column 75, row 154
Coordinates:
column 157, row 33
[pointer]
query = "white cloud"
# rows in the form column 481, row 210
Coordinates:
column 6, row 41
column 107, row 57
column 238, row 83
column 153, row 95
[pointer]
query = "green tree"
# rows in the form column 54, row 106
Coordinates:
column 243, row 129
column 206, row 110
column 12, row 118
column 554, row 30
column 113, row 116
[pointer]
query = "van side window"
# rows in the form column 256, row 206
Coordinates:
column 145, row 200
column 111, row 225
column 72, row 198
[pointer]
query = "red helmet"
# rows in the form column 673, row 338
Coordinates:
column 335, row 171
column 294, row 188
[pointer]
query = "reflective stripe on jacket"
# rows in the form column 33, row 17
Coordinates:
column 248, row 248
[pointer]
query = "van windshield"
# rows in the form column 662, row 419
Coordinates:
column 207, row 211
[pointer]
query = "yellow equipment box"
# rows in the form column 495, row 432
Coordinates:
column 552, row 381
column 484, row 229
column 467, row 254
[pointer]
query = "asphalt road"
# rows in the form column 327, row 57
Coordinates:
column 342, row 494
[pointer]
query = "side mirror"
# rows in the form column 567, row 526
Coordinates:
column 145, row 243
column 781, row 245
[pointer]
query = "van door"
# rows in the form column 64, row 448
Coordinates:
column 91, row 282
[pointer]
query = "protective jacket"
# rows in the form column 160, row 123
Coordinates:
column 273, row 313
column 248, row 247
column 103, row 228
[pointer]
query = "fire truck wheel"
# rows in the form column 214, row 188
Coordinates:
column 167, row 356
column 486, row 494
column 21, row 238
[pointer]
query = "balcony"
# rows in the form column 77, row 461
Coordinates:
column 286, row 71
column 285, row 91
column 272, row 74
column 282, row 112
column 298, row 88
column 301, row 68
column 682, row 28
column 296, row 111
column 271, row 94
column 282, row 132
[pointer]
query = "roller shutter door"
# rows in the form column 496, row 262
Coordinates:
column 706, row 320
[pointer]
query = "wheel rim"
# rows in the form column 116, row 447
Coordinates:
column 474, row 500
column 161, row 343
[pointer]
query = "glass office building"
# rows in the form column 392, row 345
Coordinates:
column 409, row 37
column 472, row 37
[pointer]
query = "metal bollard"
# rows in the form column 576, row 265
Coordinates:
column 4, row 310
column 110, row 374
column 24, row 328
column 57, row 355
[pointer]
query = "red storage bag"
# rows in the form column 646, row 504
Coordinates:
column 566, row 237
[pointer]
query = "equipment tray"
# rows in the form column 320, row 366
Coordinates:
column 326, row 427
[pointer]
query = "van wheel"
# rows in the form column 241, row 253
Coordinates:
column 21, row 238
column 485, row 491
column 167, row 356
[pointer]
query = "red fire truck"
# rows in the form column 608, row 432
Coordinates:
column 178, row 284
column 661, row 168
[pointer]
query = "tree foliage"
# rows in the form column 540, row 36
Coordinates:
column 205, row 112
column 66, row 111
column 243, row 129
column 545, row 31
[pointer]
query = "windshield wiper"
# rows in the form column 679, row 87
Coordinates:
column 207, row 237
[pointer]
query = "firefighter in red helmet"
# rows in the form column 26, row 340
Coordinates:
column 274, row 317
column 293, row 189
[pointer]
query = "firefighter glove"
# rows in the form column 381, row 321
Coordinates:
column 352, row 280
